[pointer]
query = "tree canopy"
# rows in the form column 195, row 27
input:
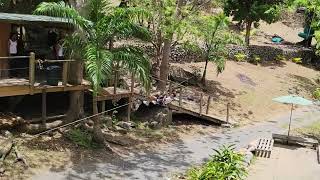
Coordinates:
column 252, row 11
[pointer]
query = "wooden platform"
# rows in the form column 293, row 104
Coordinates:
column 294, row 140
column 21, row 86
column 208, row 117
column 107, row 93
column 264, row 148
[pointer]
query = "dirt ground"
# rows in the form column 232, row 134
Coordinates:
column 286, row 162
column 250, row 88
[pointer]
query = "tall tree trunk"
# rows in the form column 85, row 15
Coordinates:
column 248, row 31
column 164, row 67
column 75, row 75
column 203, row 79
column 97, row 133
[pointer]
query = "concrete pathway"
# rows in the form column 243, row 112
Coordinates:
column 178, row 157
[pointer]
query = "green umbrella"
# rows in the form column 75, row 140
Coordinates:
column 291, row 99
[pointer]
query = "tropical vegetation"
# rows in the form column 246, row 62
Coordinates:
column 224, row 164
column 103, row 25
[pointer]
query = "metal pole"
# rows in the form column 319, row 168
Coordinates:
column 290, row 122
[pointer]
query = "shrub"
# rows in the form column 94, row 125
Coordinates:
column 280, row 58
column 81, row 138
column 316, row 94
column 224, row 164
column 240, row 57
column 297, row 60
column 255, row 60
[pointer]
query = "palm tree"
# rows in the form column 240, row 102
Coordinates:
column 103, row 24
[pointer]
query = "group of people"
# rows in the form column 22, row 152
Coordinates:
column 55, row 43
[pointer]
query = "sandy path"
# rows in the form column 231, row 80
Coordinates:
column 287, row 163
column 176, row 157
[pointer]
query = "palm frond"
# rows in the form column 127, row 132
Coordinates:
column 75, row 44
column 62, row 10
column 136, row 62
column 98, row 65
column 98, row 9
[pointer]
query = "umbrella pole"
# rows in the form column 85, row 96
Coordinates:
column 290, row 123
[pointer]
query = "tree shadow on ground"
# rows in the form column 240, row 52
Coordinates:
column 302, row 83
column 273, row 64
column 215, row 89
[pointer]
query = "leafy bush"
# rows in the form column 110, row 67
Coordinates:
column 255, row 60
column 81, row 138
column 240, row 57
column 225, row 164
column 280, row 58
column 316, row 94
column 297, row 60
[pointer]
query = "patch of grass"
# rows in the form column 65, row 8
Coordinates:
column 312, row 131
column 81, row 138
column 316, row 94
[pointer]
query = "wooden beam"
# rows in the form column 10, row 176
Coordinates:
column 228, row 107
column 208, row 104
column 14, row 57
column 200, row 108
column 103, row 107
column 32, row 60
column 170, row 88
column 44, row 107
column 65, row 73
column 129, row 108
column 180, row 97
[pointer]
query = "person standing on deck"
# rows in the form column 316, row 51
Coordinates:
column 13, row 51
column 59, row 50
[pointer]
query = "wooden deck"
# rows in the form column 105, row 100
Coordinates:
column 21, row 86
column 107, row 93
column 195, row 113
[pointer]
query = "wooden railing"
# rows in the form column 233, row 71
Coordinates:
column 32, row 67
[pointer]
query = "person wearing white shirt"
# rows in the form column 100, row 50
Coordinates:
column 13, row 51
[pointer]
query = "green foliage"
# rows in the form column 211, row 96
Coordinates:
column 240, row 57
column 253, row 11
column 215, row 33
column 255, row 59
column 224, row 164
column 280, row 58
column 316, row 94
column 297, row 60
column 81, row 138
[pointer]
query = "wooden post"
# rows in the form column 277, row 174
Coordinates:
column 208, row 105
column 103, row 107
column 32, row 60
column 132, row 83
column 228, row 107
column 115, row 82
column 200, row 108
column 65, row 73
column 180, row 97
column 44, row 106
column 318, row 153
column 129, row 108
column 170, row 88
